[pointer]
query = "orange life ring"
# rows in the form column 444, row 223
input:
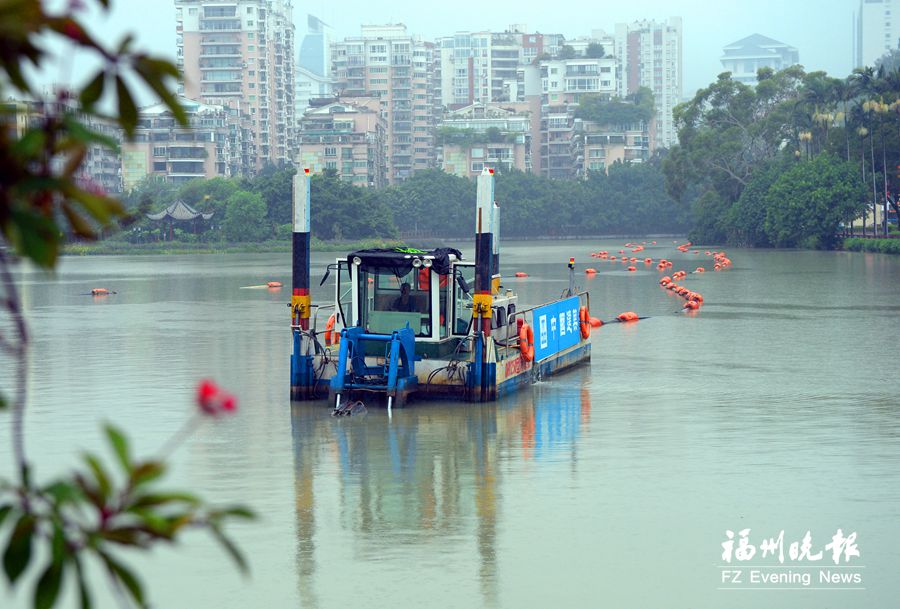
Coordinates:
column 331, row 337
column 585, row 319
column 526, row 342
column 99, row 292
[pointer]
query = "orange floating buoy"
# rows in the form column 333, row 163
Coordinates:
column 596, row 323
column 700, row 269
column 521, row 274
column 585, row 322
column 526, row 342
column 627, row 316
column 100, row 292
column 621, row 251
column 274, row 284
column 612, row 257
column 648, row 260
column 665, row 279
column 631, row 269
column 692, row 304
column 590, row 271
column 330, row 334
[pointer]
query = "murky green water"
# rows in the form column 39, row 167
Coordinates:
column 774, row 407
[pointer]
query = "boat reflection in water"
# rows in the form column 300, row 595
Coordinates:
column 427, row 481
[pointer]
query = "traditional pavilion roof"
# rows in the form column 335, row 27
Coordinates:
column 179, row 210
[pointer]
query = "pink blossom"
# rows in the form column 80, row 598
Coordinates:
column 212, row 400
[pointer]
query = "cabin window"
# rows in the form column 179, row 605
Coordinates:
column 390, row 302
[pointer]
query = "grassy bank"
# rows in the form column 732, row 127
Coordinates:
column 123, row 248
column 880, row 246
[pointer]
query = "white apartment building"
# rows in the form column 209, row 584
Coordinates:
column 649, row 54
column 385, row 61
column 239, row 54
column 744, row 57
column 876, row 30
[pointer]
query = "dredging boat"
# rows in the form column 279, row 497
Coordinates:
column 409, row 324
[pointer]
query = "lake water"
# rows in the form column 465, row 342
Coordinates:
column 772, row 408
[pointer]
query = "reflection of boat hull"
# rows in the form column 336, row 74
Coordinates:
column 435, row 381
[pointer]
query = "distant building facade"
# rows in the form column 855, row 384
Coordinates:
column 603, row 145
column 313, row 76
column 564, row 82
column 649, row 54
column 101, row 168
column 744, row 57
column 497, row 136
column 239, row 54
column 876, row 30
column 385, row 61
column 163, row 148
column 348, row 136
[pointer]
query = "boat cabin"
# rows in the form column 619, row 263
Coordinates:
column 431, row 292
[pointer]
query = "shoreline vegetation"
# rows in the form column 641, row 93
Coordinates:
column 171, row 248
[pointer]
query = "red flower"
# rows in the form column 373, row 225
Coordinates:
column 212, row 400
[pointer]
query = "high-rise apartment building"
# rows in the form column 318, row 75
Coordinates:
column 564, row 83
column 649, row 54
column 876, row 30
column 387, row 62
column 164, row 148
column 347, row 136
column 239, row 54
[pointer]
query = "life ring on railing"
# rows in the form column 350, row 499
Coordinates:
column 331, row 337
column 585, row 319
column 526, row 342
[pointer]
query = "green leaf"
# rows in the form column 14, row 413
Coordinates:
column 146, row 472
column 18, row 550
column 120, row 446
column 82, row 133
column 61, row 492
column 153, row 72
column 163, row 499
column 83, row 594
column 100, row 475
column 122, row 574
column 2, row 402
column 239, row 512
column 128, row 115
column 93, row 91
column 31, row 143
column 33, row 235
column 48, row 585
column 5, row 511
column 230, row 548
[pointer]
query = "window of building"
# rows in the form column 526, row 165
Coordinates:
column 159, row 151
column 249, row 24
column 330, row 151
column 330, row 164
column 249, row 10
column 477, row 153
column 251, row 47
column 346, row 153
column 477, row 166
column 159, row 165
column 250, row 35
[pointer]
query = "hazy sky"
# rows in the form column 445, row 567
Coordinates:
column 820, row 29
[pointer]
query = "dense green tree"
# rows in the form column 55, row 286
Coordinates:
column 566, row 52
column 342, row 211
column 245, row 218
column 274, row 184
column 807, row 204
column 594, row 50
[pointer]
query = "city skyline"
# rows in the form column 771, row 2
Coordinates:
column 822, row 33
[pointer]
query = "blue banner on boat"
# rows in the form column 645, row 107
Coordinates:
column 556, row 328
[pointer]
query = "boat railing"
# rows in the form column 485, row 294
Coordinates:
column 511, row 337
